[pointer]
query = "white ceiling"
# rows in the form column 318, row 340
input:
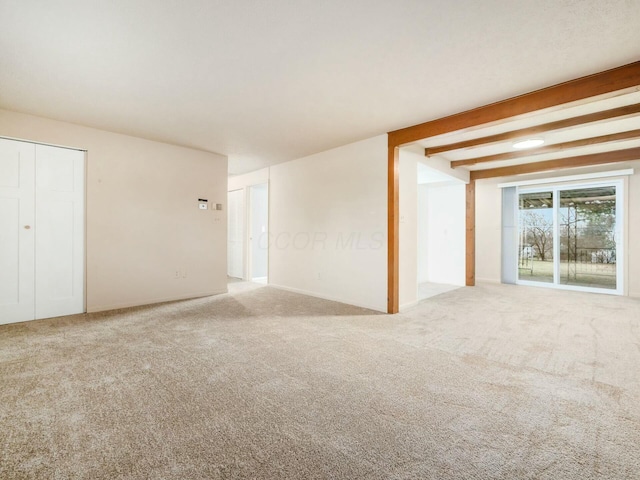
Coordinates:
column 273, row 80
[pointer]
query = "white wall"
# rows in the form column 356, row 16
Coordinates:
column 244, row 182
column 257, row 177
column 633, row 231
column 328, row 224
column 408, row 228
column 446, row 214
column 488, row 230
column 423, row 231
column 488, row 222
column 143, row 221
column 438, row 166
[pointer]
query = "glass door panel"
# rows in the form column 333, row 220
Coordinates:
column 535, row 233
column 587, row 229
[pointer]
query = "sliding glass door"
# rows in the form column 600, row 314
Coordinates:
column 570, row 236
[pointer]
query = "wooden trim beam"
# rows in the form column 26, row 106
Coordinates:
column 470, row 234
column 627, row 110
column 393, row 230
column 615, row 137
column 598, row 84
column 615, row 156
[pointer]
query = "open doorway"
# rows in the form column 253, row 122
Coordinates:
column 441, row 232
column 432, row 228
column 248, row 234
column 258, row 233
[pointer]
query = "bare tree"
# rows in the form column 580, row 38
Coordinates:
column 539, row 233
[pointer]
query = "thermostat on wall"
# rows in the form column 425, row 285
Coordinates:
column 202, row 204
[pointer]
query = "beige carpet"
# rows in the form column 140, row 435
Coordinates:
column 491, row 382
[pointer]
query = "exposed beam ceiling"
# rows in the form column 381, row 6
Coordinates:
column 538, row 129
column 575, row 90
column 613, row 138
column 532, row 114
column 597, row 130
column 569, row 162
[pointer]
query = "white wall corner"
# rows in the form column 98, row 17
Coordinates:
column 439, row 164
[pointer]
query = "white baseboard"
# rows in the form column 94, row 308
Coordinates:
column 118, row 306
column 404, row 306
column 488, row 280
column 327, row 297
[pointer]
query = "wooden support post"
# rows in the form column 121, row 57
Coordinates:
column 471, row 234
column 393, row 229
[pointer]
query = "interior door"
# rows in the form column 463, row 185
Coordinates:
column 17, row 235
column 59, row 232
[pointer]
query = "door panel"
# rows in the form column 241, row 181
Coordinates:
column 59, row 233
column 588, row 237
column 17, row 160
column 56, row 169
column 10, row 253
column 10, row 153
column 55, row 259
column 536, row 238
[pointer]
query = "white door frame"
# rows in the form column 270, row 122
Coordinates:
column 242, row 196
column 621, row 229
column 250, row 234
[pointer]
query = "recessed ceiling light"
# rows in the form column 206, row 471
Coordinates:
column 529, row 143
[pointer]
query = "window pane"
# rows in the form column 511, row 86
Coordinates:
column 587, row 220
column 535, row 252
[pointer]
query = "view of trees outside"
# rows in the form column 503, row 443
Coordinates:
column 539, row 234
column 587, row 237
column 587, row 229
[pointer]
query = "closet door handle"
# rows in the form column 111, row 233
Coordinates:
column 27, row 227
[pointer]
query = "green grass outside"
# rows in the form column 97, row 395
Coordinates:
column 595, row 275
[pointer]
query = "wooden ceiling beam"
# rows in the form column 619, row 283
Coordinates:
column 614, row 137
column 569, row 162
column 627, row 110
column 601, row 83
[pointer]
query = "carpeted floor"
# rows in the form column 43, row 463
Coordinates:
column 490, row 382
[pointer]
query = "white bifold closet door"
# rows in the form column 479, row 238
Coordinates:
column 41, row 231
